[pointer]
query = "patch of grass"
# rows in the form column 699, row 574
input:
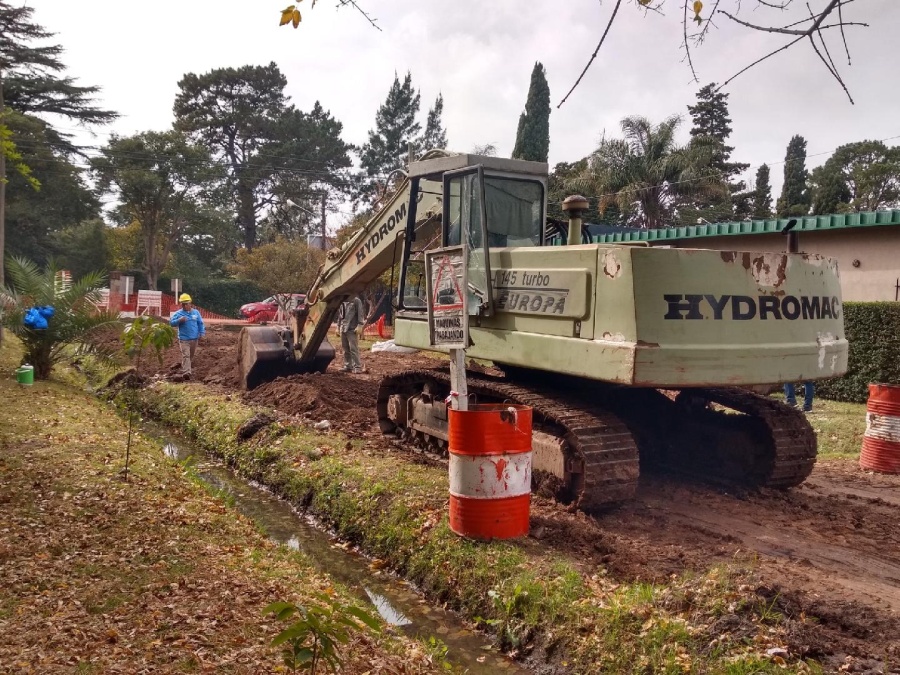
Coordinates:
column 839, row 427
column 106, row 604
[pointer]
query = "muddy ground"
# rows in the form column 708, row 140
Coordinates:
column 829, row 549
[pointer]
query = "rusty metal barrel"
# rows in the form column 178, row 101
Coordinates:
column 881, row 442
column 490, row 471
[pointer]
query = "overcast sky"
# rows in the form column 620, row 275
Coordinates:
column 480, row 56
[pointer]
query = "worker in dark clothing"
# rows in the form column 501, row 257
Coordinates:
column 351, row 316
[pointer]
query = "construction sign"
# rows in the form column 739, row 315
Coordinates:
column 448, row 319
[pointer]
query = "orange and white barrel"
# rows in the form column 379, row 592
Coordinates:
column 881, row 442
column 490, row 471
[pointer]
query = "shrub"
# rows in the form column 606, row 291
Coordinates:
column 873, row 330
column 74, row 319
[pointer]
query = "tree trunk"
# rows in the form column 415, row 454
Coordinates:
column 2, row 194
column 2, row 200
column 324, row 228
column 247, row 215
column 150, row 262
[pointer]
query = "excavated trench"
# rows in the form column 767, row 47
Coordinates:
column 398, row 604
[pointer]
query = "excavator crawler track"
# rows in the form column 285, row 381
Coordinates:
column 600, row 453
column 721, row 435
column 790, row 454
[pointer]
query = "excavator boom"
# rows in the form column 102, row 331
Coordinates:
column 267, row 352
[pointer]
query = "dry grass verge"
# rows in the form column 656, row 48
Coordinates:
column 155, row 575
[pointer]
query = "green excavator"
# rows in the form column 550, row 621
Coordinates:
column 632, row 357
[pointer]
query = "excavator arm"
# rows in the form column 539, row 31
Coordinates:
column 267, row 352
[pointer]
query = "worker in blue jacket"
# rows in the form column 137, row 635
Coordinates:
column 190, row 329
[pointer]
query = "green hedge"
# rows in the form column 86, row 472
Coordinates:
column 873, row 330
column 224, row 296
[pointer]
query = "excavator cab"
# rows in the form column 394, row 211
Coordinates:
column 488, row 203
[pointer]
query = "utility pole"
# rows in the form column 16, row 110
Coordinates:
column 324, row 203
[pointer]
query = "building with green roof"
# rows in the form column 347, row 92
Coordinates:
column 866, row 245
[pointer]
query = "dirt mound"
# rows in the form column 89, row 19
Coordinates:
column 341, row 398
column 346, row 400
column 215, row 362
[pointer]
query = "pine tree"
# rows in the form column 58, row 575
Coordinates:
column 762, row 195
column 533, row 133
column 395, row 129
column 435, row 135
column 245, row 120
column 33, row 80
column 794, row 199
column 711, row 129
column 32, row 84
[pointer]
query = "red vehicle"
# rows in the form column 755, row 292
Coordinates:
column 265, row 310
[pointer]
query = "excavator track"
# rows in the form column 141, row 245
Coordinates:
column 600, row 453
column 790, row 454
column 721, row 435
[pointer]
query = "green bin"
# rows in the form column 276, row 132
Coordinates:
column 25, row 375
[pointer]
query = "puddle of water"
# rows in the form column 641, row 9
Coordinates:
column 395, row 600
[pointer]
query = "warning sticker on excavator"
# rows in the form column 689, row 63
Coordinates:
column 447, row 315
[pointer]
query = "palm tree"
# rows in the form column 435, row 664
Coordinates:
column 74, row 320
column 646, row 174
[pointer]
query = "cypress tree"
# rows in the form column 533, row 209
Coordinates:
column 33, row 83
column 710, row 131
column 533, row 133
column 794, row 199
column 762, row 195
column 34, row 79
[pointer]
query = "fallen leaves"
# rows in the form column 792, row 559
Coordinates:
column 150, row 576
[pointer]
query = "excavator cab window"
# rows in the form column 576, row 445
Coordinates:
column 494, row 212
column 465, row 219
column 514, row 210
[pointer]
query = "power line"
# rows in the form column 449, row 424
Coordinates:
column 332, row 175
column 110, row 134
column 342, row 179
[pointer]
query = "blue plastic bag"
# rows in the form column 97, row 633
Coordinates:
column 36, row 317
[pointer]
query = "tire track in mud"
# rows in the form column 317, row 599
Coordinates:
column 827, row 537
column 878, row 494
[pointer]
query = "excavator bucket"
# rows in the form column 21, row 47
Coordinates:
column 263, row 355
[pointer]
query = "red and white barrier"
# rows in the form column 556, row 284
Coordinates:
column 881, row 442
